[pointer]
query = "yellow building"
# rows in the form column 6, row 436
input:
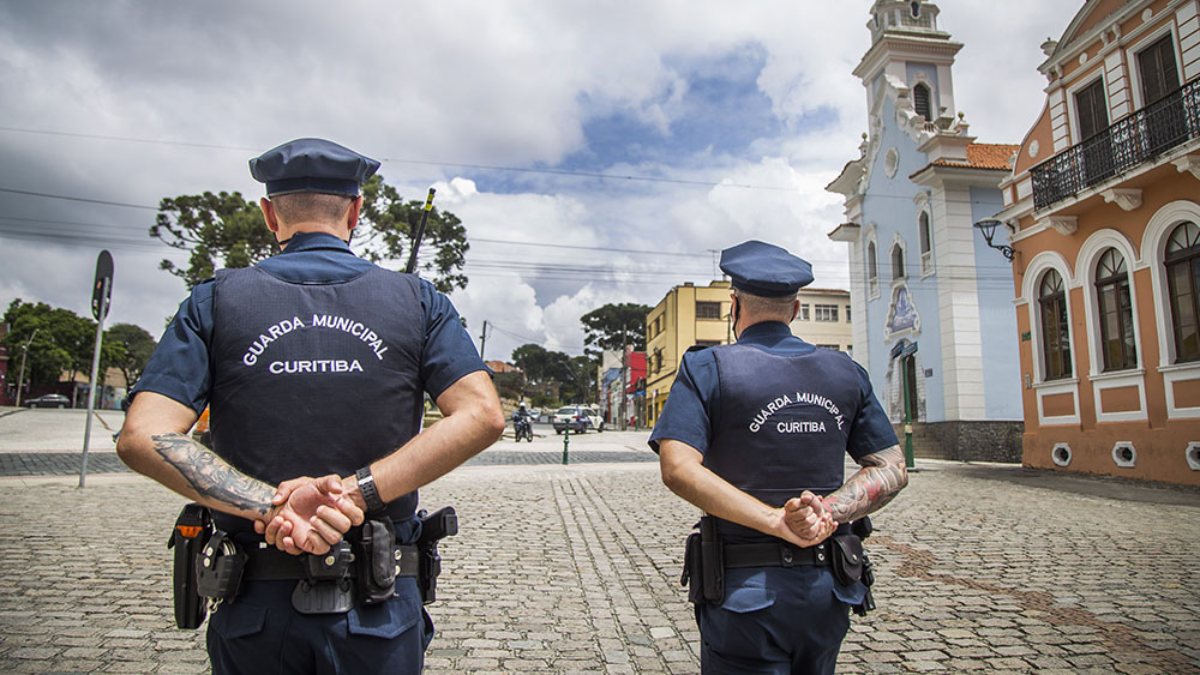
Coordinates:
column 688, row 315
column 824, row 319
column 699, row 315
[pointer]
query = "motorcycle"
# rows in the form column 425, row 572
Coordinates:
column 522, row 428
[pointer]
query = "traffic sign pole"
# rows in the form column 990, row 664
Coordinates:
column 101, row 296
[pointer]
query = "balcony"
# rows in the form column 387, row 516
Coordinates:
column 1136, row 139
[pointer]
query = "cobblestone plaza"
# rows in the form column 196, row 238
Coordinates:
column 576, row 569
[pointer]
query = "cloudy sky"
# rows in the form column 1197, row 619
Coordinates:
column 716, row 122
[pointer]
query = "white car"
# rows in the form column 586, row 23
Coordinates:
column 577, row 419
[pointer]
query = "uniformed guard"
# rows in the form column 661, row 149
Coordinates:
column 315, row 363
column 755, row 434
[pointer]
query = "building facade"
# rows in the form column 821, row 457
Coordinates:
column 825, row 319
column 1104, row 209
column 933, row 321
column 688, row 315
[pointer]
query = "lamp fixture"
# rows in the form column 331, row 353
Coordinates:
column 988, row 228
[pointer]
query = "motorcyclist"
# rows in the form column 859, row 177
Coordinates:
column 522, row 423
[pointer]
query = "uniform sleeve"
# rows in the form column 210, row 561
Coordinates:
column 179, row 367
column 685, row 417
column 449, row 353
column 871, row 430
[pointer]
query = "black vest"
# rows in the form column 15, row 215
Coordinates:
column 783, row 422
column 313, row 379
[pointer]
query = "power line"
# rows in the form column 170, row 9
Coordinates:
column 77, row 199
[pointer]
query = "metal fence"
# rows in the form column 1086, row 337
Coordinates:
column 1138, row 138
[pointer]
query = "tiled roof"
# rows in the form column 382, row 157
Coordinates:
column 993, row 156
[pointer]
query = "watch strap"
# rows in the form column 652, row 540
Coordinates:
column 370, row 494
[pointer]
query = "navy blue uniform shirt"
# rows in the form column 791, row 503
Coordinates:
column 179, row 368
column 695, row 397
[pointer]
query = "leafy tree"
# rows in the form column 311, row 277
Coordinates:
column 216, row 228
column 550, row 372
column 226, row 230
column 615, row 325
column 59, row 341
column 137, row 345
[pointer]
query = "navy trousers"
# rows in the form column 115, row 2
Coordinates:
column 776, row 621
column 260, row 633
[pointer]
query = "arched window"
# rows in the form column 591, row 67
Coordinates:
column 1116, row 312
column 926, row 238
column 1183, row 284
column 872, row 269
column 916, row 10
column 921, row 101
column 897, row 262
column 1056, row 335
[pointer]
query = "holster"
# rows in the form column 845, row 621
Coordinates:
column 434, row 527
column 851, row 562
column 703, row 564
column 192, row 530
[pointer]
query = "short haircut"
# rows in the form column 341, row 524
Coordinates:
column 300, row 207
column 763, row 306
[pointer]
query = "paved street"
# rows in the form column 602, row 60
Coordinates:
column 575, row 569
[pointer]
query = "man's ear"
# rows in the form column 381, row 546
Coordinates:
column 353, row 212
column 269, row 215
column 795, row 310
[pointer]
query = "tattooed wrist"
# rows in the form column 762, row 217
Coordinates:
column 211, row 476
column 879, row 481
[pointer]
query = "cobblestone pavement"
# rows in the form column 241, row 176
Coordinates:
column 575, row 569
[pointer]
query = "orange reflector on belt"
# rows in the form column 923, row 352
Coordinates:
column 190, row 531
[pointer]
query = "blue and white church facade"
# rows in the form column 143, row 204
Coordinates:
column 934, row 323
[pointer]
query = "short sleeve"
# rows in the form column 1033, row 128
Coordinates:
column 179, row 367
column 871, row 431
column 685, row 417
column 449, row 353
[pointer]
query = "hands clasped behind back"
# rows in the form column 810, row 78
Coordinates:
column 309, row 515
column 807, row 520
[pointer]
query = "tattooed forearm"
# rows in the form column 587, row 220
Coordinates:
column 883, row 476
column 212, row 476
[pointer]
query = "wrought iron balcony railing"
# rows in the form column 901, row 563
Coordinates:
column 1140, row 137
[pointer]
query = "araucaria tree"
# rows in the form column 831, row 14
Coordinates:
column 226, row 230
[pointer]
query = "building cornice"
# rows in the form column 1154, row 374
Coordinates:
column 906, row 46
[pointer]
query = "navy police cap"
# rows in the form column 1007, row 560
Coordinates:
column 312, row 165
column 762, row 269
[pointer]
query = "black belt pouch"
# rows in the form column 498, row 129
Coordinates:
column 693, row 576
column 377, row 564
column 847, row 563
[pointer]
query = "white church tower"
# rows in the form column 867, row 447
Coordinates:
column 933, row 320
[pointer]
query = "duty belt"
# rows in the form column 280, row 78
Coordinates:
column 774, row 555
column 269, row 564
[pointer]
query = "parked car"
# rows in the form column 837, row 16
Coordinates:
column 49, row 401
column 577, row 419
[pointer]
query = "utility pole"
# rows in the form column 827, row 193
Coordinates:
column 24, row 355
column 624, row 372
column 483, row 340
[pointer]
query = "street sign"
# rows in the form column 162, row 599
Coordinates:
column 101, row 300
column 101, row 291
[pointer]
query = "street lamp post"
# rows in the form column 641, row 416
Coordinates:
column 988, row 228
column 24, row 355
